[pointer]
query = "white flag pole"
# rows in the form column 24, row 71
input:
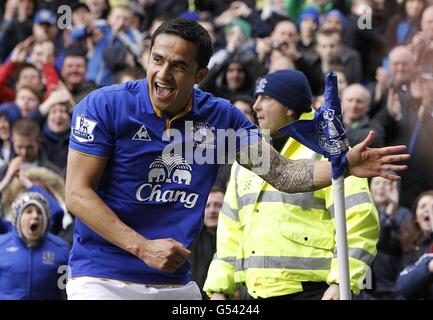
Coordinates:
column 342, row 248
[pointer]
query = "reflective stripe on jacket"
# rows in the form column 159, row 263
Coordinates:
column 273, row 241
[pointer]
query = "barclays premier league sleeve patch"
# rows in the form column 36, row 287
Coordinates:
column 83, row 129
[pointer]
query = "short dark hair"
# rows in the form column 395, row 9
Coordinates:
column 36, row 92
column 26, row 128
column 191, row 31
column 217, row 188
column 75, row 52
column 244, row 98
column 25, row 65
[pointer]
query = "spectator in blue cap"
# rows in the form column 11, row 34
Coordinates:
column 308, row 24
column 334, row 21
column 45, row 16
column 288, row 87
column 308, row 13
column 45, row 25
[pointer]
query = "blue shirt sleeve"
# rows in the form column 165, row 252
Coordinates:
column 92, row 129
column 414, row 281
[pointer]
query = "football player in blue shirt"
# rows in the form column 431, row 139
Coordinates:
column 137, row 182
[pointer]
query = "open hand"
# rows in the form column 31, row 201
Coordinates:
column 11, row 9
column 365, row 162
column 21, row 50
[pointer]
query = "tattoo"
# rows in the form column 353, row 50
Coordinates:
column 290, row 176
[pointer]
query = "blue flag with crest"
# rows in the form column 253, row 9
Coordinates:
column 325, row 134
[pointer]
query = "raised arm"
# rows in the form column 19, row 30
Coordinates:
column 292, row 176
column 83, row 174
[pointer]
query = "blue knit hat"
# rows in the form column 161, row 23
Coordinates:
column 289, row 87
column 191, row 15
column 339, row 15
column 21, row 202
column 309, row 12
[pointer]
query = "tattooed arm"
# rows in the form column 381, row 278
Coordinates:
column 290, row 176
column 294, row 176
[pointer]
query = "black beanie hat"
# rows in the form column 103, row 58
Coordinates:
column 289, row 87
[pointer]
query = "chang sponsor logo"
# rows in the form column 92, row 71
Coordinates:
column 168, row 168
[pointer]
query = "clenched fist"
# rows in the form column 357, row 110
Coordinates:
column 164, row 254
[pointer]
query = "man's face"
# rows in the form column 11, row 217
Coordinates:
column 271, row 114
column 285, row 32
column 31, row 222
column 30, row 77
column 401, row 66
column 74, row 70
column 213, row 207
column 26, row 147
column 380, row 188
column 26, row 101
column 172, row 72
column 333, row 24
column 245, row 108
column 354, row 104
column 327, row 47
column 235, row 76
column 308, row 26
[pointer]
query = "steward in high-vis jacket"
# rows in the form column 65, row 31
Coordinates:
column 283, row 246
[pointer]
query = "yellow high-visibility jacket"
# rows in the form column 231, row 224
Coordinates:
column 272, row 241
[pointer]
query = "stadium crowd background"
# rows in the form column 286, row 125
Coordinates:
column 382, row 51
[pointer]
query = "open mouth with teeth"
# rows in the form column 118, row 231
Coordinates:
column 163, row 92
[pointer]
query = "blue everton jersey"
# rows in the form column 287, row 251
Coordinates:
column 158, row 175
